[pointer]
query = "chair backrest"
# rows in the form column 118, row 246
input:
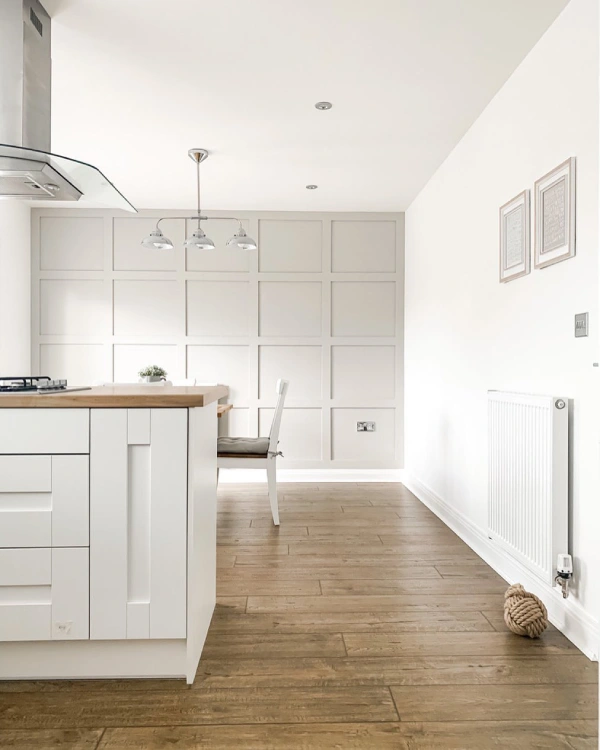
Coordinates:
column 281, row 389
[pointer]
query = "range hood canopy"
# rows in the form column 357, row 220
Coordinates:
column 28, row 169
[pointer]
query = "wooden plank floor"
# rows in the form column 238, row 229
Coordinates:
column 362, row 622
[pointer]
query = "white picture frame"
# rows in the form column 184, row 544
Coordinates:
column 515, row 237
column 555, row 215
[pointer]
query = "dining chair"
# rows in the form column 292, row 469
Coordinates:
column 257, row 453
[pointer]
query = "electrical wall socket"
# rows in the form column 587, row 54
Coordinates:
column 365, row 426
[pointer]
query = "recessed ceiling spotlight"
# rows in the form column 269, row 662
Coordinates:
column 323, row 105
column 312, row 187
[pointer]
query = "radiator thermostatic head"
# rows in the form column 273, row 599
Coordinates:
column 564, row 573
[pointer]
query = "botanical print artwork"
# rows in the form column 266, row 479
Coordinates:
column 515, row 229
column 554, row 212
column 514, row 245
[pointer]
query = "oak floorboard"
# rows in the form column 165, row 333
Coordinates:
column 409, row 547
column 263, row 535
column 351, row 622
column 201, row 706
column 455, row 644
column 547, row 735
column 407, row 603
column 339, row 573
column 398, row 562
column 67, row 739
column 267, row 587
column 496, row 703
column 408, row 585
column 350, row 671
column 272, row 645
column 275, row 548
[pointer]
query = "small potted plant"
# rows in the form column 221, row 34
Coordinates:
column 152, row 374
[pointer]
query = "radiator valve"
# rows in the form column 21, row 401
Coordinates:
column 564, row 573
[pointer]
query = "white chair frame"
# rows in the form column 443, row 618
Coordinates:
column 270, row 461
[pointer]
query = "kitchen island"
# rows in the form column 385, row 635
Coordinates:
column 107, row 531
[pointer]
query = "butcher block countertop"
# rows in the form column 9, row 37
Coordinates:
column 118, row 396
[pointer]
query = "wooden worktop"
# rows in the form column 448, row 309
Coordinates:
column 119, row 396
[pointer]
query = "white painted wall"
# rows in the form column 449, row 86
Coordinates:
column 320, row 303
column 15, row 281
column 465, row 332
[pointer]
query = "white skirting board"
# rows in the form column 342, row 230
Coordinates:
column 252, row 476
column 565, row 614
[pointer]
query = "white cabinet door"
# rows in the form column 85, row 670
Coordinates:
column 138, row 512
column 44, row 594
column 44, row 501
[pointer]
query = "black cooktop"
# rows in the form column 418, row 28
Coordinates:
column 30, row 383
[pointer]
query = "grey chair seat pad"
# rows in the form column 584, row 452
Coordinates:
column 241, row 446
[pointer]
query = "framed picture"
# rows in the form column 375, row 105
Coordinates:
column 555, row 215
column 515, row 233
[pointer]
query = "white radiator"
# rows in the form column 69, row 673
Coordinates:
column 528, row 506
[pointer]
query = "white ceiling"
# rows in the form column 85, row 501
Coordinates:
column 138, row 82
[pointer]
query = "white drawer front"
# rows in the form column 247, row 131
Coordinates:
column 44, row 501
column 25, row 474
column 44, row 430
column 44, row 594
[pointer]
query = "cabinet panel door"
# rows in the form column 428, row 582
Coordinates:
column 44, row 594
column 44, row 501
column 138, row 522
column 168, row 511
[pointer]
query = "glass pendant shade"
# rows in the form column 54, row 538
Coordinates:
column 240, row 239
column 199, row 241
column 157, row 241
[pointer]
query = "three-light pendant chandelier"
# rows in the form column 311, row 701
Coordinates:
column 198, row 240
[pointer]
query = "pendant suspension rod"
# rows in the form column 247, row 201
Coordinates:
column 198, row 186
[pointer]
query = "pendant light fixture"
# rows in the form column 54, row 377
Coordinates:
column 197, row 239
column 240, row 239
column 156, row 240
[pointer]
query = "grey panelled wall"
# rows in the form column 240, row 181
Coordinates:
column 320, row 303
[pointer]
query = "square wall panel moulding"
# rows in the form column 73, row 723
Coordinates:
column 74, row 307
column 71, row 244
column 218, row 308
column 290, row 246
column 363, row 246
column 290, row 308
column 147, row 308
column 363, row 308
column 363, row 373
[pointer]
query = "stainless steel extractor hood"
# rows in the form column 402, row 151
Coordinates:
column 28, row 169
